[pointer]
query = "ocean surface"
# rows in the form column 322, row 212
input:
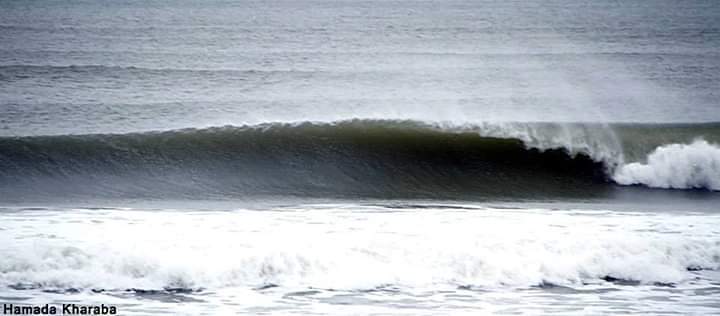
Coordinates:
column 361, row 157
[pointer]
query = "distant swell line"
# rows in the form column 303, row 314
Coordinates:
column 33, row 68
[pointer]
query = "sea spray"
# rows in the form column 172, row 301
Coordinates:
column 676, row 166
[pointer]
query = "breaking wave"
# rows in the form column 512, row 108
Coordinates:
column 676, row 166
column 364, row 158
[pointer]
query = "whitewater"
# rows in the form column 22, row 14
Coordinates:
column 366, row 258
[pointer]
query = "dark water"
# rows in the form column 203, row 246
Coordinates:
column 350, row 159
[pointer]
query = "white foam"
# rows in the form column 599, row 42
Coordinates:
column 350, row 249
column 676, row 166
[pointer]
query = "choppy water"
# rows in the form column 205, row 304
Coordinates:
column 361, row 157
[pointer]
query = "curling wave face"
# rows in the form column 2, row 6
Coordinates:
column 364, row 158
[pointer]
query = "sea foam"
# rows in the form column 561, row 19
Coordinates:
column 676, row 166
column 341, row 247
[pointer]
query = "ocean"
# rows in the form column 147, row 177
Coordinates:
column 361, row 157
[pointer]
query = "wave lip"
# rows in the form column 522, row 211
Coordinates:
column 676, row 166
